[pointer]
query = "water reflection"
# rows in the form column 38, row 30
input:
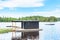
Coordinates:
column 30, row 35
column 48, row 33
column 27, row 36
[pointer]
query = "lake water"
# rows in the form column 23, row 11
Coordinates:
column 50, row 32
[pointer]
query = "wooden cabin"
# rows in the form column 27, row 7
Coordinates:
column 29, row 24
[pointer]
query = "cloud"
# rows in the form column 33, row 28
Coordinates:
column 21, row 3
column 15, row 15
column 48, row 13
column 55, row 13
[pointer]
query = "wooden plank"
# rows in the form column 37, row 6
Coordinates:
column 27, row 30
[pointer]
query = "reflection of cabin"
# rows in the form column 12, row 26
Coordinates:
column 29, row 24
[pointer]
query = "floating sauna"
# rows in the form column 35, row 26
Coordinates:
column 29, row 24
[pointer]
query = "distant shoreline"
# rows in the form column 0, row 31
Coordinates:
column 39, row 18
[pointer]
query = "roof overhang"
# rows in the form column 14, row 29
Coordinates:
column 25, row 21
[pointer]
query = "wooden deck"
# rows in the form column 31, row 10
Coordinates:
column 26, row 30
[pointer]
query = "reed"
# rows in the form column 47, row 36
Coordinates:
column 5, row 30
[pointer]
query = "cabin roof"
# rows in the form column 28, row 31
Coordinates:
column 25, row 21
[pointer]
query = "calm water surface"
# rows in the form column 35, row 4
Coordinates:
column 50, row 32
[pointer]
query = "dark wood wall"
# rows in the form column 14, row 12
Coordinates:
column 30, row 25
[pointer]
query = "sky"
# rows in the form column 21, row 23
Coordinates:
column 22, row 8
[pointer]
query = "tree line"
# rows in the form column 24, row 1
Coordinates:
column 58, row 19
column 40, row 18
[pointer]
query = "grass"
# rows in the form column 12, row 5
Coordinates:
column 5, row 30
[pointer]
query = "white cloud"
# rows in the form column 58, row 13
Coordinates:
column 1, row 7
column 10, row 15
column 22, row 3
column 55, row 13
column 48, row 13
column 15, row 15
